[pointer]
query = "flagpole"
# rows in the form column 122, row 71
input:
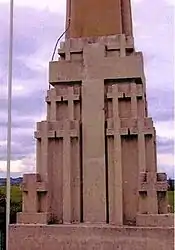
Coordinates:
column 9, row 123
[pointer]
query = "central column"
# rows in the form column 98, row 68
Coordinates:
column 94, row 191
column 91, row 18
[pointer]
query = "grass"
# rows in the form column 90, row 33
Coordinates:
column 16, row 196
column 171, row 200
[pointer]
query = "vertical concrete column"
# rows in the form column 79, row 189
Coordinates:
column 115, row 184
column 122, row 45
column 38, row 152
column 127, row 17
column 66, row 174
column 53, row 106
column 67, row 49
column 94, row 193
column 150, row 153
column 68, row 17
column 155, row 150
column 43, row 168
column 141, row 147
column 152, row 202
column 75, row 180
column 134, row 100
column 70, row 103
column 104, row 18
column 73, row 163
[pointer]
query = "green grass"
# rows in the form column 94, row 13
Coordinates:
column 171, row 200
column 16, row 194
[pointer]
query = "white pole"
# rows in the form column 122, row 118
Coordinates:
column 9, row 124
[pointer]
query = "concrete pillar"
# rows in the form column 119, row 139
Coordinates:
column 71, row 103
column 126, row 17
column 115, row 171
column 134, row 100
column 94, row 193
column 75, row 180
column 53, row 105
column 152, row 202
column 43, row 168
column 122, row 45
column 66, row 175
column 88, row 20
column 141, row 147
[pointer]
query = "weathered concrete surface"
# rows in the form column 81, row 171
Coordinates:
column 85, row 237
column 155, row 220
column 96, row 151
column 97, row 18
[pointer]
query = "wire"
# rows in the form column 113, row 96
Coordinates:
column 53, row 55
column 59, row 38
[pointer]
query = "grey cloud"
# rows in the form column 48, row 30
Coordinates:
column 165, row 145
column 18, row 123
column 161, row 104
column 35, row 33
column 22, row 106
column 22, row 145
column 21, row 71
column 29, row 105
column 32, row 29
column 169, row 170
column 154, row 34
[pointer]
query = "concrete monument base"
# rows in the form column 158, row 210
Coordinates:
column 88, row 237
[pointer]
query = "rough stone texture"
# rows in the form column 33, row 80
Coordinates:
column 155, row 220
column 91, row 18
column 94, row 188
column 84, row 237
column 33, row 218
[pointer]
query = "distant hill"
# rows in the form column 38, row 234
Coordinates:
column 13, row 181
column 18, row 181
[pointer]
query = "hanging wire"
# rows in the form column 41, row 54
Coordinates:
column 59, row 38
column 53, row 55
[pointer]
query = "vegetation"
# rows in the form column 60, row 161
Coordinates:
column 170, row 184
column 16, row 202
column 171, row 200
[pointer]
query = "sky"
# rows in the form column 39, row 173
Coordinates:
column 37, row 24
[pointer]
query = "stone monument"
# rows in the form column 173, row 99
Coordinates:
column 96, row 185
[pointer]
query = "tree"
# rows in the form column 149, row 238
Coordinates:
column 15, row 203
column 170, row 184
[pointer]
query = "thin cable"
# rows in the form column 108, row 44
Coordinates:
column 9, row 123
column 59, row 40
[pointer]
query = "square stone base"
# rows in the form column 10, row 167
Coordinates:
column 33, row 218
column 154, row 220
column 89, row 237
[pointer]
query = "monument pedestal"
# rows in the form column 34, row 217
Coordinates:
column 96, row 150
column 88, row 237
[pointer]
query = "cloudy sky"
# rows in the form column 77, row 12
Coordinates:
column 37, row 24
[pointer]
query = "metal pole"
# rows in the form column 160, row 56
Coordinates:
column 9, row 124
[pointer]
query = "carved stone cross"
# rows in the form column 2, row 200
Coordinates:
column 32, row 186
